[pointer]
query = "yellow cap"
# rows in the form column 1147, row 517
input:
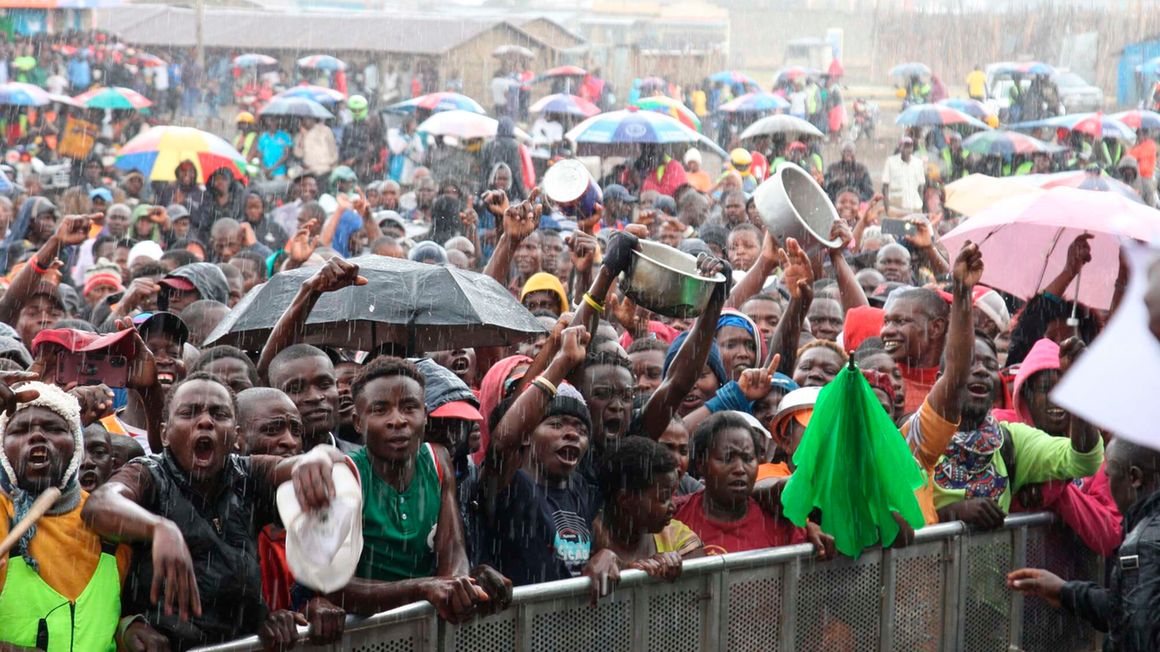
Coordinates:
column 740, row 156
column 245, row 117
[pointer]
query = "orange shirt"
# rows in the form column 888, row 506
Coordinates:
column 771, row 471
column 699, row 180
column 928, row 435
column 1145, row 155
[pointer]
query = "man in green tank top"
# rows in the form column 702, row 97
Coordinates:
column 413, row 543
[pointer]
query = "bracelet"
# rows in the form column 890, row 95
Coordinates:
column 37, row 268
column 592, row 302
column 546, row 385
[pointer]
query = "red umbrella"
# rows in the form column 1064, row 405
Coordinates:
column 836, row 69
column 565, row 71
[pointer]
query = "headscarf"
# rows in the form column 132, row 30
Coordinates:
column 491, row 394
column 714, row 360
column 141, row 212
column 737, row 319
column 968, row 462
column 543, row 281
column 64, row 404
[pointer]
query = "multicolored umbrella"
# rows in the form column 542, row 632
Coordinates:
column 438, row 102
column 1026, row 68
column 157, row 153
column 112, row 97
column 1139, row 119
column 912, row 69
column 973, row 108
column 853, row 464
column 146, row 60
column 302, row 107
column 563, row 71
column 1006, row 144
column 759, row 102
column 320, row 94
column 936, row 115
column 565, row 104
column 733, row 77
column 621, row 132
column 322, row 62
column 1025, row 239
column 672, row 108
column 793, row 73
column 464, row 125
column 253, row 60
column 1097, row 125
column 22, row 94
column 793, row 128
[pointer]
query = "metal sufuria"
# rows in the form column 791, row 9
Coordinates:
column 946, row 592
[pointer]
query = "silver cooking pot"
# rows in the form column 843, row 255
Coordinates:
column 793, row 205
column 666, row 281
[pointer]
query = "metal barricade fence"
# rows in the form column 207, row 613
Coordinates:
column 947, row 591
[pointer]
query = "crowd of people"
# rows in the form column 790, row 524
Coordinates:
column 618, row 438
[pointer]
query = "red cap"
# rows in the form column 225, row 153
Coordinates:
column 82, row 341
column 178, row 283
column 457, row 410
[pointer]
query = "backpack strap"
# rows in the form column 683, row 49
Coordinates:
column 1008, row 452
column 435, row 462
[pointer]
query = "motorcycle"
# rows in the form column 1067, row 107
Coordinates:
column 865, row 121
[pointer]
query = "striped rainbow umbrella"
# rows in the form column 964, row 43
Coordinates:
column 672, row 108
column 320, row 94
column 112, row 97
column 936, row 115
column 1139, row 119
column 436, row 102
column 1006, row 144
column 157, row 153
column 973, row 108
column 618, row 133
column 760, row 102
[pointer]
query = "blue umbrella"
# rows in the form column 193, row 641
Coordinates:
column 320, row 94
column 760, row 102
column 733, row 77
column 1026, row 68
column 302, row 107
column 1092, row 124
column 322, row 62
column 973, row 108
column 21, row 94
column 936, row 115
column 617, row 131
column 912, row 69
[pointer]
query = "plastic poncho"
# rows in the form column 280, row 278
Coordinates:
column 855, row 467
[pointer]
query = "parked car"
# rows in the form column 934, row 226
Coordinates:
column 1076, row 95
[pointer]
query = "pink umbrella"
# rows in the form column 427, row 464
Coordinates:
column 1024, row 240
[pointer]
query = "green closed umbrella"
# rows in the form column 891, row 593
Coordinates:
column 855, row 467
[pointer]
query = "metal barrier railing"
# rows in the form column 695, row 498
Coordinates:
column 946, row 591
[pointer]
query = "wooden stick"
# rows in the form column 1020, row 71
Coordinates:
column 41, row 505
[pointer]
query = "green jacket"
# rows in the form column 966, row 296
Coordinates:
column 88, row 624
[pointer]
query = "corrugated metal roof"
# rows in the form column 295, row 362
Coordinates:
column 326, row 32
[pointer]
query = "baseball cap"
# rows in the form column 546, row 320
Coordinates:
column 323, row 548
column 77, row 341
column 177, row 212
column 166, row 322
column 619, row 193
column 343, row 173
column 457, row 410
column 178, row 283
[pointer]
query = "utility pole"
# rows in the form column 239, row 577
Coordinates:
column 199, row 36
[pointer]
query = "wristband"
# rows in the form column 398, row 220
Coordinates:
column 548, row 386
column 126, row 622
column 592, row 302
column 37, row 268
column 730, row 397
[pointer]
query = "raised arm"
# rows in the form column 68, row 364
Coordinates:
column 1083, row 435
column 923, row 241
column 798, row 277
column 506, row 449
column 946, row 397
column 518, row 223
column 849, row 289
column 616, row 260
column 691, row 357
column 331, row 277
column 1079, row 253
column 72, row 230
column 872, row 216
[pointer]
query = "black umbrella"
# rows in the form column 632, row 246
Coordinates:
column 417, row 306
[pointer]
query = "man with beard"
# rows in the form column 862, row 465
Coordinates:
column 987, row 461
column 914, row 333
column 58, row 561
column 893, row 262
column 305, row 372
column 191, row 513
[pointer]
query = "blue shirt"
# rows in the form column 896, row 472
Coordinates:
column 272, row 147
column 80, row 75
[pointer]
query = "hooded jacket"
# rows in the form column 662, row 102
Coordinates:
column 207, row 278
column 16, row 243
column 211, row 211
column 505, row 149
column 1146, row 188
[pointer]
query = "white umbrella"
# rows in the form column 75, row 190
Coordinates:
column 464, row 125
column 780, row 124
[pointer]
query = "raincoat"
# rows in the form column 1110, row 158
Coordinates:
column 505, row 149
